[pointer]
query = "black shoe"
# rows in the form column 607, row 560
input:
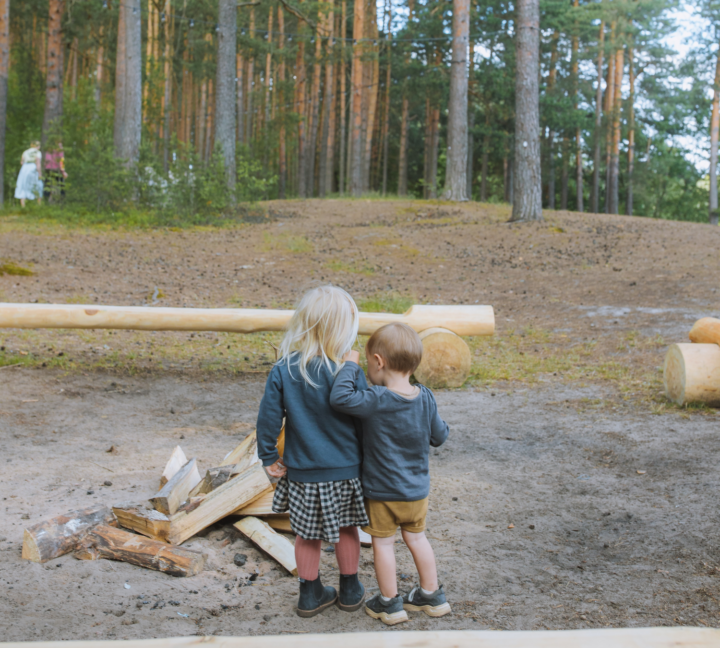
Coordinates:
column 352, row 593
column 389, row 613
column 434, row 605
column 314, row 598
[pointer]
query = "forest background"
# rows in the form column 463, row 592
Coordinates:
column 351, row 97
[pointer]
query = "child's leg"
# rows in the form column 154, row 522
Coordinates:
column 347, row 550
column 307, row 557
column 424, row 558
column 385, row 569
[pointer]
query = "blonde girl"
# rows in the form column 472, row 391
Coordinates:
column 29, row 185
column 320, row 469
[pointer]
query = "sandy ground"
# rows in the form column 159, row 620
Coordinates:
column 594, row 543
column 549, row 450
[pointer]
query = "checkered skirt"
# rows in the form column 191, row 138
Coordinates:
column 318, row 510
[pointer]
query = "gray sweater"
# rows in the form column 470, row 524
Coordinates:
column 397, row 434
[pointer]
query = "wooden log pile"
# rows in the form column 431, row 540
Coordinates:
column 148, row 534
column 691, row 373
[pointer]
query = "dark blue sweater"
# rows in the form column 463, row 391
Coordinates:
column 397, row 434
column 321, row 444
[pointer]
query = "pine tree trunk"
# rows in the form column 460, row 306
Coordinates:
column 597, row 135
column 52, row 120
column 388, row 82
column 99, row 64
column 210, row 120
column 471, row 122
column 4, row 69
column 128, row 99
column 484, row 165
column 714, row 132
column 613, row 192
column 313, row 116
column 371, row 81
column 249, row 117
column 578, row 133
column 552, row 77
column 609, row 101
column 282, row 147
column 268, row 70
column 631, row 133
column 300, row 82
column 200, row 117
column 167, row 95
column 225, row 88
column 527, row 198
column 74, row 75
column 402, row 162
column 457, row 133
column 564, row 175
column 434, row 146
column 355, row 141
column 326, row 145
column 342, row 136
column 240, row 109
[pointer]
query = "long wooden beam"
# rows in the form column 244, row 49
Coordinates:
column 594, row 638
column 462, row 320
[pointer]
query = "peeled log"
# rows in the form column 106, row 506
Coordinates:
column 62, row 534
column 116, row 544
column 692, row 374
column 706, row 331
column 463, row 320
column 445, row 360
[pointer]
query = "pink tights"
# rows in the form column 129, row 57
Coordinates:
column 347, row 552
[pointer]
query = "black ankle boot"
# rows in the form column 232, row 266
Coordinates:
column 314, row 598
column 352, row 593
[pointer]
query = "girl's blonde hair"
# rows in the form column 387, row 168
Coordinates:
column 324, row 325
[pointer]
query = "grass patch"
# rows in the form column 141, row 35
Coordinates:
column 353, row 268
column 286, row 243
column 385, row 303
column 11, row 268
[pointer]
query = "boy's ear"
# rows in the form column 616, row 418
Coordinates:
column 380, row 360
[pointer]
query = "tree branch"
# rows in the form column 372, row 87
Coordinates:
column 298, row 14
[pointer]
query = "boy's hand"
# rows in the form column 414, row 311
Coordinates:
column 352, row 356
column 278, row 469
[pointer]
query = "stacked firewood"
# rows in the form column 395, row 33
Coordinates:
column 148, row 534
column 692, row 371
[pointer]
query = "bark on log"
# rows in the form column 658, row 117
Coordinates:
column 221, row 502
column 677, row 637
column 177, row 460
column 62, row 534
column 462, row 320
column 279, row 547
column 706, row 331
column 225, row 88
column 692, row 374
column 147, row 521
column 116, row 544
column 445, row 360
column 177, row 490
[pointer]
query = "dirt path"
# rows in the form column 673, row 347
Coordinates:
column 561, row 412
column 594, row 543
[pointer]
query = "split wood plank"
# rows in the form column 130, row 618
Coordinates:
column 221, row 502
column 675, row 637
column 260, row 506
column 271, row 542
column 177, row 460
column 215, row 477
column 62, row 534
column 461, row 320
column 176, row 491
column 246, row 452
column 117, row 544
column 280, row 523
column 147, row 521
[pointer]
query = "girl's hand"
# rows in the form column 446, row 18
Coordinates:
column 278, row 469
column 352, row 356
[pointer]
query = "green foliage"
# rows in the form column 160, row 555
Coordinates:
column 385, row 303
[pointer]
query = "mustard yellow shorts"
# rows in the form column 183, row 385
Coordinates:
column 386, row 517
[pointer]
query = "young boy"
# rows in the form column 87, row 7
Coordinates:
column 399, row 422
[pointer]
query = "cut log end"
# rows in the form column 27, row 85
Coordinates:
column 445, row 361
column 691, row 374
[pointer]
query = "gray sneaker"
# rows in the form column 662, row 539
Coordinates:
column 389, row 613
column 434, row 605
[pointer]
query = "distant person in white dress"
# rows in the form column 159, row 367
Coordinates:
column 29, row 184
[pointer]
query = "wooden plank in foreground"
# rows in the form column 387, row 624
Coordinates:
column 271, row 542
column 118, row 544
column 595, row 638
column 62, row 534
column 217, row 504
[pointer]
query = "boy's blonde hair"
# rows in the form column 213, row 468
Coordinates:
column 325, row 324
column 399, row 345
